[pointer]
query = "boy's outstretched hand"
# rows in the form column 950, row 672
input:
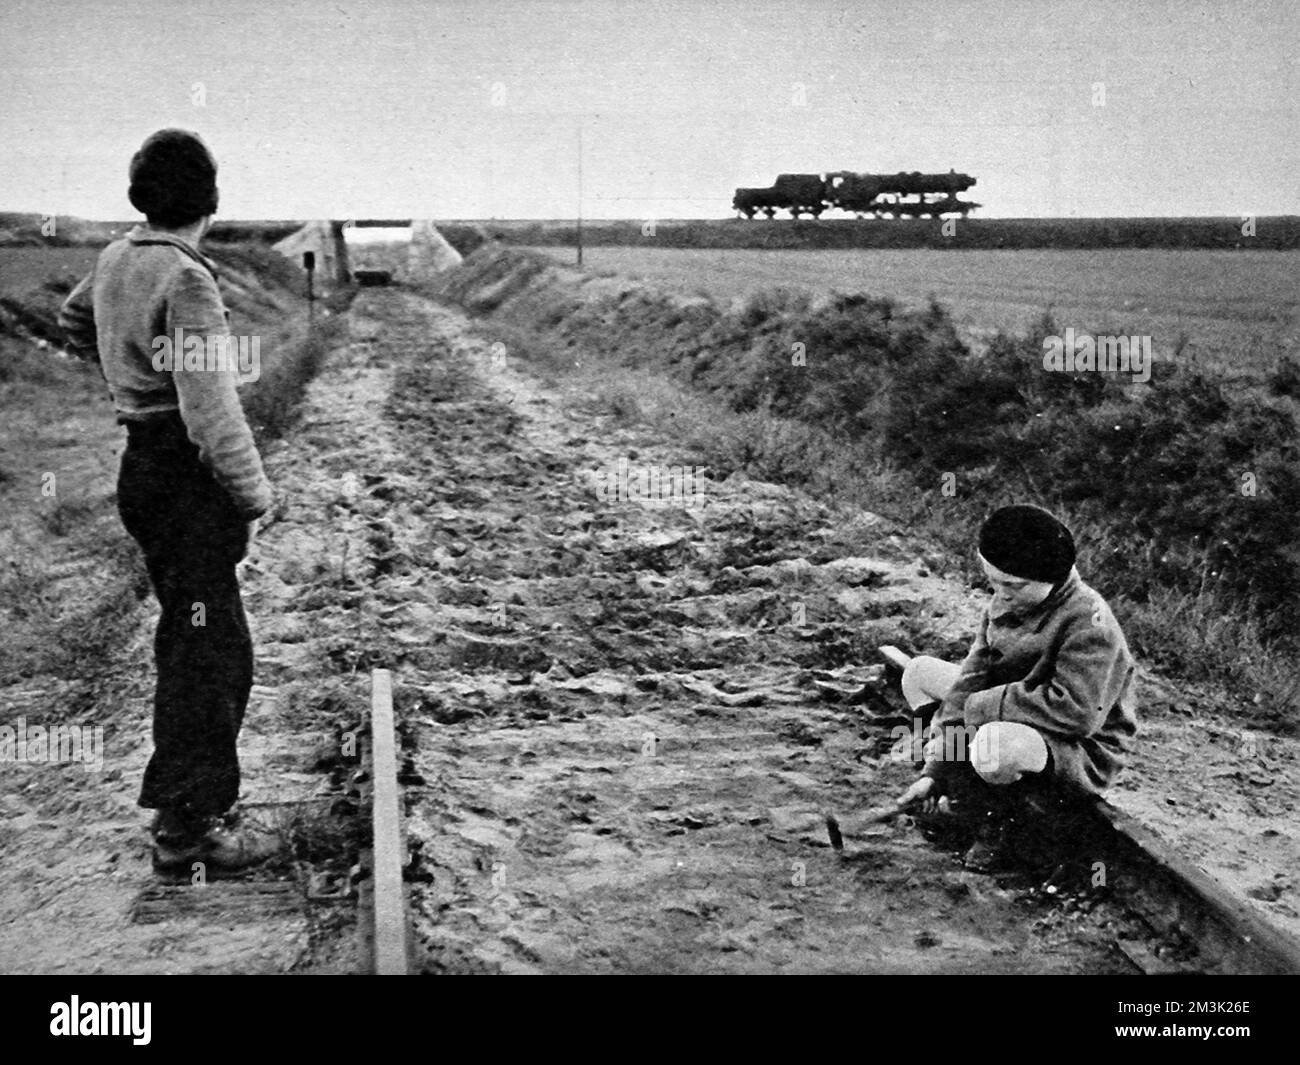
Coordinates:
column 922, row 791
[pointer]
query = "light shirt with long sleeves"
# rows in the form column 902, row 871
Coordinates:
column 150, row 285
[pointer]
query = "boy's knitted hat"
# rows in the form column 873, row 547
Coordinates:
column 174, row 178
column 1027, row 542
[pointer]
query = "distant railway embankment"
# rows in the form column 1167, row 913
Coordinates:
column 1183, row 493
column 1277, row 233
column 1246, row 232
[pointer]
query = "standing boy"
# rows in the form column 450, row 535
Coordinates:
column 189, row 490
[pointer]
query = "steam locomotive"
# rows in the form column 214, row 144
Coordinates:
column 901, row 195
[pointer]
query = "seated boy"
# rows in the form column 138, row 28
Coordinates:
column 1046, row 692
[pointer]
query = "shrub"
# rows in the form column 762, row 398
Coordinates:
column 1284, row 379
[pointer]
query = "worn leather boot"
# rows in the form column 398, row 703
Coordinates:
column 227, row 843
column 990, row 852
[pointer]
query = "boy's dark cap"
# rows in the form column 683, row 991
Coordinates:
column 174, row 178
column 1029, row 543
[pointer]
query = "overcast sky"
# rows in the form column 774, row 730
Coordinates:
column 331, row 108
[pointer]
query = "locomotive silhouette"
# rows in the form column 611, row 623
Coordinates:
column 901, row 195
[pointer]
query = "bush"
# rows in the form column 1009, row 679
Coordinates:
column 1284, row 379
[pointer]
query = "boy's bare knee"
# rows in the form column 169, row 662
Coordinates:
column 1003, row 751
column 908, row 683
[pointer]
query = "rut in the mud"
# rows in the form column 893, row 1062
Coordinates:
column 616, row 745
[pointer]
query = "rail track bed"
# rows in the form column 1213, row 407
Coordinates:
column 512, row 724
column 619, row 722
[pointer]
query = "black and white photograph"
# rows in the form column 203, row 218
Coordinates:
column 582, row 487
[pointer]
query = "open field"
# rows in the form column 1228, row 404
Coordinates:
column 1237, row 308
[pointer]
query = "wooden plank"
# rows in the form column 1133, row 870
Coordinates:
column 1231, row 933
column 229, row 901
column 390, row 904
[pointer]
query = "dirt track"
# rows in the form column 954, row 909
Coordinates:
column 617, row 751
column 616, row 746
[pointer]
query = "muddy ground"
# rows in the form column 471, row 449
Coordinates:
column 615, row 733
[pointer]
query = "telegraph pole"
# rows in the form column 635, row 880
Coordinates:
column 579, row 190
column 309, row 264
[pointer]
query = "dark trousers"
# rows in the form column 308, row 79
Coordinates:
column 192, row 537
